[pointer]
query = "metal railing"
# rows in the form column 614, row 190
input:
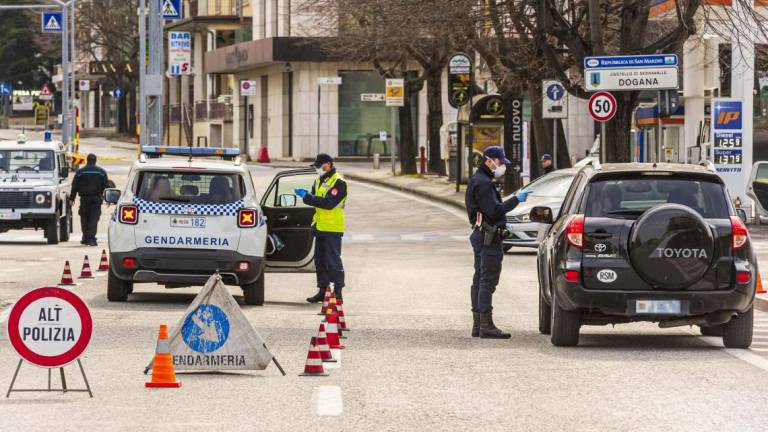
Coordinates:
column 213, row 110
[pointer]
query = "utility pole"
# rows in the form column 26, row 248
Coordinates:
column 142, row 73
column 154, row 80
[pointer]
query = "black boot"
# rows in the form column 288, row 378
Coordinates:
column 488, row 330
column 317, row 297
column 337, row 292
column 475, row 324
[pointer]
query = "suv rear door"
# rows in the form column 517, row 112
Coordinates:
column 290, row 247
column 612, row 210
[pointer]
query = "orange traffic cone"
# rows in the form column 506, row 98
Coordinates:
column 326, row 299
column 322, row 345
column 66, row 277
column 314, row 365
column 103, row 264
column 342, row 320
column 332, row 328
column 263, row 155
column 85, row 273
column 163, row 374
column 760, row 289
column 333, row 306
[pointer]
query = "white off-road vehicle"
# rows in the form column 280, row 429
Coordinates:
column 34, row 188
column 181, row 219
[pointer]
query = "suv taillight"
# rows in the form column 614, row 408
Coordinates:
column 739, row 233
column 129, row 214
column 247, row 218
column 574, row 231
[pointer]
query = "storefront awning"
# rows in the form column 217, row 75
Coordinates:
column 263, row 52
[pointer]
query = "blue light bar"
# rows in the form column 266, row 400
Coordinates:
column 190, row 151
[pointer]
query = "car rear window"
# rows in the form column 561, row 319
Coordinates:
column 630, row 197
column 190, row 187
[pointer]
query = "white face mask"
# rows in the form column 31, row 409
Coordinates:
column 320, row 171
column 499, row 170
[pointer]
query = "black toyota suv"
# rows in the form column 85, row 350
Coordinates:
column 646, row 242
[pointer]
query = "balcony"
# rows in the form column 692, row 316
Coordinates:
column 213, row 110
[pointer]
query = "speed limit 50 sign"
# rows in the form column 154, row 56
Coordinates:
column 602, row 106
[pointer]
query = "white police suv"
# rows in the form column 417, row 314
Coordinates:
column 34, row 189
column 180, row 219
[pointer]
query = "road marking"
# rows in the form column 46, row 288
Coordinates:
column 449, row 209
column 336, row 353
column 329, row 402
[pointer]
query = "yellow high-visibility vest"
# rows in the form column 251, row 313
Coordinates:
column 329, row 220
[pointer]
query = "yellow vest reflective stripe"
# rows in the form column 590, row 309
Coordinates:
column 329, row 220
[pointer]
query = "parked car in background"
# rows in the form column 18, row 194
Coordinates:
column 549, row 191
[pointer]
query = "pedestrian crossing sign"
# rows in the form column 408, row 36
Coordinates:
column 171, row 9
column 52, row 22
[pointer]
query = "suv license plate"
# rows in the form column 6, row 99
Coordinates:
column 658, row 307
column 10, row 216
column 187, row 222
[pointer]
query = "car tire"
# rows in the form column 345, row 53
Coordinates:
column 507, row 248
column 545, row 315
column 64, row 225
column 254, row 292
column 711, row 330
column 565, row 325
column 117, row 289
column 52, row 230
column 738, row 332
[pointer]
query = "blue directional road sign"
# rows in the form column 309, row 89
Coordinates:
column 555, row 91
column 5, row 88
column 117, row 93
column 171, row 9
column 52, row 22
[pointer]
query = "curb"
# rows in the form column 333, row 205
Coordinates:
column 761, row 303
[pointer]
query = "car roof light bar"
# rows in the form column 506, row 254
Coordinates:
column 157, row 151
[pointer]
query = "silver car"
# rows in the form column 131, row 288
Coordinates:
column 549, row 191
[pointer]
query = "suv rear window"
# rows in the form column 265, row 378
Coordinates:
column 630, row 197
column 190, row 187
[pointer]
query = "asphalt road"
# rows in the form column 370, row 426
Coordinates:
column 409, row 364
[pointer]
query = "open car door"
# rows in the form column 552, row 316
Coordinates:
column 757, row 189
column 290, row 243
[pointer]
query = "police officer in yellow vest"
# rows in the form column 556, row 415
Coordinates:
column 328, row 196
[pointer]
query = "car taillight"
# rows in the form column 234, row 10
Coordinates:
column 571, row 275
column 246, row 218
column 743, row 277
column 129, row 262
column 129, row 214
column 574, row 231
column 739, row 233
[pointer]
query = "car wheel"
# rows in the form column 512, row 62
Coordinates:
column 52, row 230
column 64, row 224
column 117, row 289
column 711, row 330
column 565, row 325
column 254, row 292
column 507, row 248
column 738, row 332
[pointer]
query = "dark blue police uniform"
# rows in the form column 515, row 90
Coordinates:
column 90, row 181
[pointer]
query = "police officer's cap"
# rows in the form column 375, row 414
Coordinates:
column 321, row 159
column 91, row 158
column 496, row 152
column 546, row 156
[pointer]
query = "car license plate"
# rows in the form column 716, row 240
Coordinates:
column 10, row 216
column 658, row 307
column 187, row 222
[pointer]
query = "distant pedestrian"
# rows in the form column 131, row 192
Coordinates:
column 546, row 164
column 329, row 197
column 89, row 182
column 487, row 216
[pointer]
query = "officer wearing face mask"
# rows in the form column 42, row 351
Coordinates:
column 328, row 196
column 487, row 216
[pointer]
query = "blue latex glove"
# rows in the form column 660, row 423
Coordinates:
column 521, row 196
column 300, row 192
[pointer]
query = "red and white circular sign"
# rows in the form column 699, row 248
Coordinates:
column 50, row 327
column 602, row 106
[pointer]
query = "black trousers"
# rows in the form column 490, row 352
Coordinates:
column 90, row 212
column 328, row 263
column 487, row 271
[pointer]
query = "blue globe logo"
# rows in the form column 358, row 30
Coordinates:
column 206, row 329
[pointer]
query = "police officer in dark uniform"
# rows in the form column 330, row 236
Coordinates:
column 487, row 215
column 328, row 197
column 546, row 164
column 90, row 181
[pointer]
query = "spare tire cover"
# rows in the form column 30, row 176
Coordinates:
column 671, row 246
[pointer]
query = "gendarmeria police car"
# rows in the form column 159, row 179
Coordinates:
column 179, row 220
